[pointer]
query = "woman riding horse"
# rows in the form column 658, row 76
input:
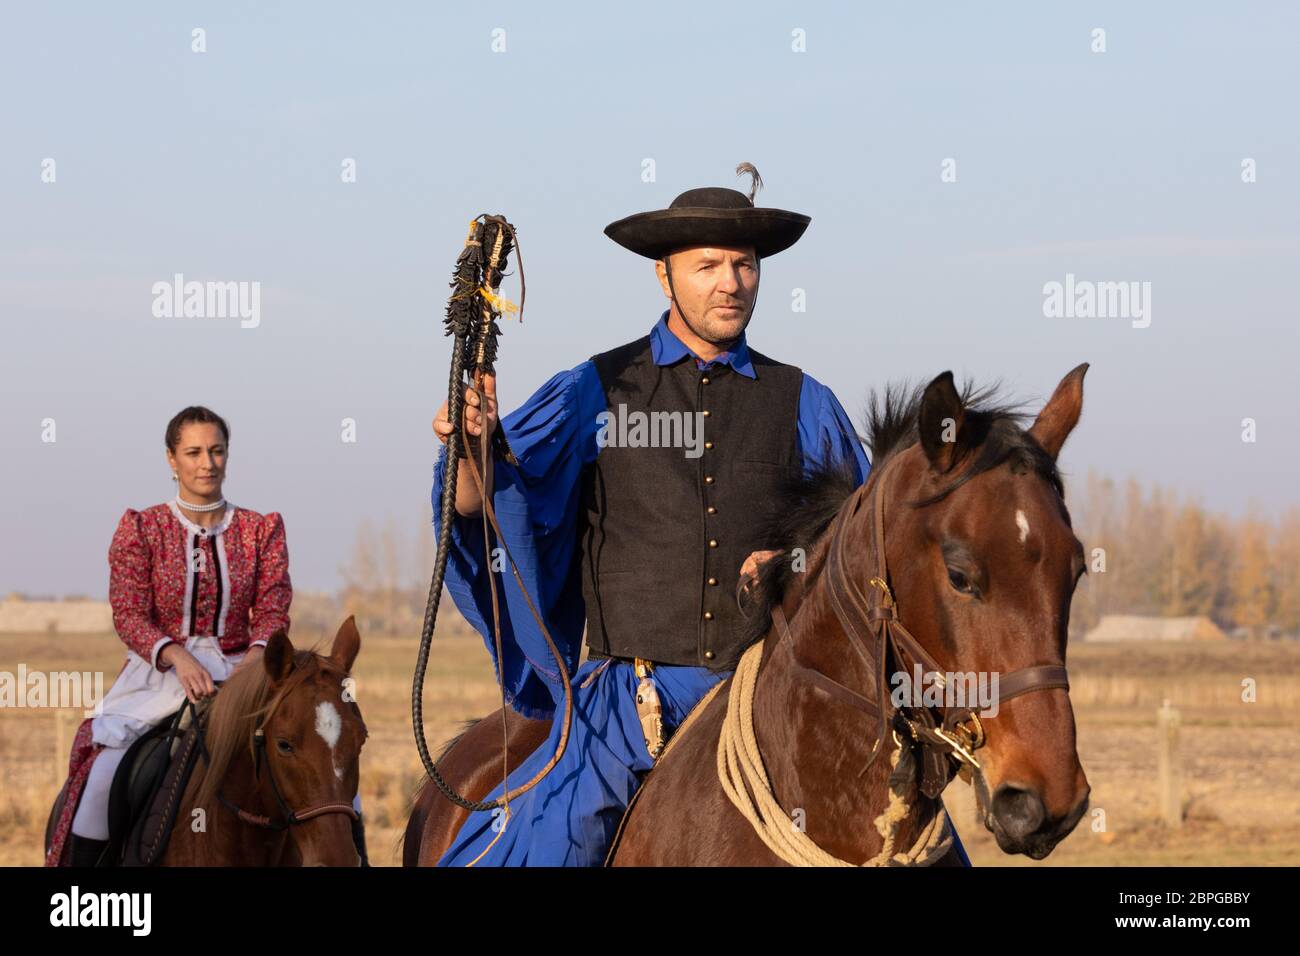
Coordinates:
column 198, row 587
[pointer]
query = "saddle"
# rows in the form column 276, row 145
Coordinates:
column 147, row 790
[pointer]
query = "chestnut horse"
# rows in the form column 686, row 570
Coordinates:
column 979, row 562
column 283, row 740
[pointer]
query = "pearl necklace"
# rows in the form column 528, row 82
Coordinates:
column 200, row 508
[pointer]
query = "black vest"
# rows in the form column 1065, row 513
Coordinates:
column 665, row 534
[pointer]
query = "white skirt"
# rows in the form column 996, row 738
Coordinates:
column 143, row 696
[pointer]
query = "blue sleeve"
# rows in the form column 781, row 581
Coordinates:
column 553, row 436
column 826, row 435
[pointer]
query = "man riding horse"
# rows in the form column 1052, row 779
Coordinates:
column 643, row 541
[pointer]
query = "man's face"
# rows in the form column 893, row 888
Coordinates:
column 716, row 289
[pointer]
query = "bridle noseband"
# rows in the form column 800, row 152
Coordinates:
column 870, row 621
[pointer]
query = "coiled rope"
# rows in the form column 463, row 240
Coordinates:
column 744, row 780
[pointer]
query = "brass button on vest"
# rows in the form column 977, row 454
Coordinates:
column 708, row 615
column 713, row 582
column 713, row 542
column 708, row 479
column 712, row 510
column 708, row 655
column 705, row 380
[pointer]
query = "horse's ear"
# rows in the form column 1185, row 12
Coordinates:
column 1061, row 413
column 939, row 423
column 347, row 644
column 278, row 657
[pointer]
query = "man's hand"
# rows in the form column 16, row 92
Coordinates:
column 480, row 412
column 750, row 568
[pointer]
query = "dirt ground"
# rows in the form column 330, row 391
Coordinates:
column 1241, row 778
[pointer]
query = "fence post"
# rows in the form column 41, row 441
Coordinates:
column 1168, row 771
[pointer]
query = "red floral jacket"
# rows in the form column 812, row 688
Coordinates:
column 171, row 579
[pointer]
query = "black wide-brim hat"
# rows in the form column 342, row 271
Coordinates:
column 710, row 216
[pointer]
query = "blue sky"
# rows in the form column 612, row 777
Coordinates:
column 1115, row 166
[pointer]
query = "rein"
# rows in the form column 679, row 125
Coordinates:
column 871, row 622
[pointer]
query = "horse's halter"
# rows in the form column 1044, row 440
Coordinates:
column 290, row 817
column 945, row 746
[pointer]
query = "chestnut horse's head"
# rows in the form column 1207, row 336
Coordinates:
column 313, row 741
column 983, row 563
column 308, row 761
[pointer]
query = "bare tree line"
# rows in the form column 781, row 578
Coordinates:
column 1168, row 556
column 386, row 580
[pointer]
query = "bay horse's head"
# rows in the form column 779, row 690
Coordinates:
column 983, row 564
column 299, row 713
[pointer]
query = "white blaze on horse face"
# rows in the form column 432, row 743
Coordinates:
column 329, row 725
column 1023, row 524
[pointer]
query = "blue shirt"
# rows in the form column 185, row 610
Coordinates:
column 553, row 436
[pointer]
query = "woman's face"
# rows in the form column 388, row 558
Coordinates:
column 199, row 461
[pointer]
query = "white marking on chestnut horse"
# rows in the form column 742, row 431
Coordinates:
column 329, row 725
column 1023, row 524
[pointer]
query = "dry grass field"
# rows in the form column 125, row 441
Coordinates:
column 1239, row 760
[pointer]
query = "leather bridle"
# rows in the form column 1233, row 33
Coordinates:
column 289, row 816
column 870, row 621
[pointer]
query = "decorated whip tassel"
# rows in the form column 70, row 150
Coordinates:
column 472, row 313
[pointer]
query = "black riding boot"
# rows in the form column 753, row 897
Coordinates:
column 83, row 851
column 359, row 838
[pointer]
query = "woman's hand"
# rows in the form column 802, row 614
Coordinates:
column 194, row 677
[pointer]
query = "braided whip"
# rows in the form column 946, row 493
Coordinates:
column 472, row 314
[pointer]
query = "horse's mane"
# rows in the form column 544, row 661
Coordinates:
column 243, row 699
column 808, row 503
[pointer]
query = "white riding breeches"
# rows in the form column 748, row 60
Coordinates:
column 91, row 820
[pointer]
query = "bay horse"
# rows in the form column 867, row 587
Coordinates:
column 961, row 532
column 283, row 742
